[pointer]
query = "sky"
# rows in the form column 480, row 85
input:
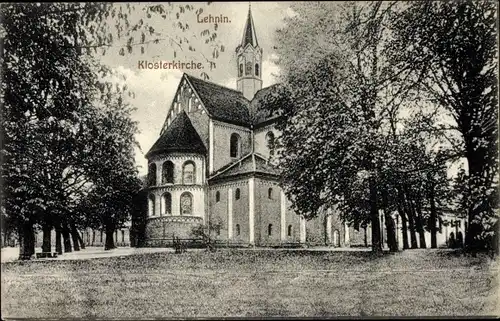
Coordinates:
column 155, row 89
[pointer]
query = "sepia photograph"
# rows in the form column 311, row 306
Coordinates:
column 249, row 160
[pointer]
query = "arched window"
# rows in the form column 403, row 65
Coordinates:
column 270, row 142
column 188, row 173
column 289, row 230
column 237, row 194
column 238, row 229
column 190, row 103
column 186, row 203
column 151, row 205
column 152, row 174
column 240, row 71
column 217, row 196
column 166, row 204
column 257, row 69
column 270, row 229
column 270, row 193
column 234, row 148
column 248, row 68
column 167, row 172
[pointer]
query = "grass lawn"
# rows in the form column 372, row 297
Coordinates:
column 252, row 283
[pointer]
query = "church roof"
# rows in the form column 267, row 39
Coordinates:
column 249, row 35
column 222, row 103
column 180, row 136
column 249, row 164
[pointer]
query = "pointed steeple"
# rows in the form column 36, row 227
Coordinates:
column 249, row 35
column 249, row 57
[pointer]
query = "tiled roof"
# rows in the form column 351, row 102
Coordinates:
column 251, row 163
column 222, row 103
column 180, row 136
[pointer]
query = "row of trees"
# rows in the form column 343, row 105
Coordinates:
column 67, row 135
column 377, row 100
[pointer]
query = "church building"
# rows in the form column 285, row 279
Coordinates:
column 212, row 163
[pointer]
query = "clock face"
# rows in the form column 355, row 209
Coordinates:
column 248, row 68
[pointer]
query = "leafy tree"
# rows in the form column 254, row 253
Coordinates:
column 335, row 95
column 48, row 102
column 454, row 45
column 111, row 168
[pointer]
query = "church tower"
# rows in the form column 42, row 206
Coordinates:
column 249, row 58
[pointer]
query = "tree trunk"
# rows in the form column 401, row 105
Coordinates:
column 47, row 242
column 376, row 240
column 82, row 244
column 26, row 241
column 74, row 237
column 391, row 233
column 6, row 234
column 109, row 243
column 413, row 233
column 58, row 242
column 404, row 227
column 433, row 219
column 410, row 211
column 420, row 225
column 476, row 164
column 410, row 214
column 390, row 226
column 66, row 238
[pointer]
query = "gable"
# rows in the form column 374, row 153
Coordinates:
column 252, row 163
column 185, row 99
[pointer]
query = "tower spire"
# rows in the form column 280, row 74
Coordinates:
column 249, row 56
column 249, row 34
